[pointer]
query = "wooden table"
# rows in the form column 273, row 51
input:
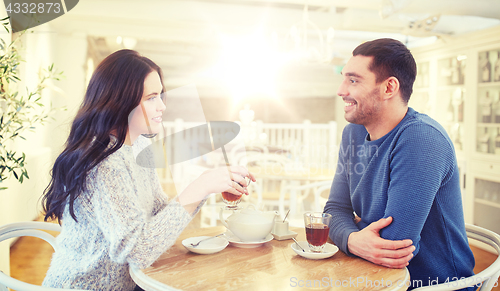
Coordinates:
column 273, row 266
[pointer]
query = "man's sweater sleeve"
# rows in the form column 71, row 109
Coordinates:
column 421, row 162
column 339, row 202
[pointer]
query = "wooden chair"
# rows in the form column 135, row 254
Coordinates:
column 239, row 155
column 268, row 189
column 240, row 152
column 294, row 196
column 487, row 278
column 19, row 229
column 321, row 194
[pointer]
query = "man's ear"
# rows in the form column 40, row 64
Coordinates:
column 391, row 88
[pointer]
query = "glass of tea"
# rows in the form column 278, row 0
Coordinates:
column 232, row 200
column 317, row 229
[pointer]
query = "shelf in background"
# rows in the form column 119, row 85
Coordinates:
column 450, row 87
column 488, row 124
column 488, row 84
column 487, row 202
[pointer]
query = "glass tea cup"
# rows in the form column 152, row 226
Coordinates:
column 317, row 228
column 231, row 200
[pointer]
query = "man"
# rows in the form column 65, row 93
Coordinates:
column 395, row 198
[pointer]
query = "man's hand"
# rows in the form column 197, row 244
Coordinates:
column 368, row 245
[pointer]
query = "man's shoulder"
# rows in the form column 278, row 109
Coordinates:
column 422, row 131
column 421, row 122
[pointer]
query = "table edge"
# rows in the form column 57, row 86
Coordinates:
column 148, row 283
column 406, row 279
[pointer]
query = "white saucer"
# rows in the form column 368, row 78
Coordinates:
column 235, row 241
column 209, row 246
column 328, row 251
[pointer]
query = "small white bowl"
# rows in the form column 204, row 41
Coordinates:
column 210, row 246
column 328, row 251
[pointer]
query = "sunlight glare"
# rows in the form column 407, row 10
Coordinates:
column 249, row 65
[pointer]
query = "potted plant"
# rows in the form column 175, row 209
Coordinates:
column 20, row 112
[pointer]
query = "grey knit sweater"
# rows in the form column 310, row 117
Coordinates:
column 124, row 219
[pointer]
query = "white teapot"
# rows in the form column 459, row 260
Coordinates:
column 250, row 224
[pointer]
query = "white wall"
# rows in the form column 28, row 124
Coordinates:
column 69, row 55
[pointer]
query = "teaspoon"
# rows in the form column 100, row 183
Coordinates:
column 298, row 244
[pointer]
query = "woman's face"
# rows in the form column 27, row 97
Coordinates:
column 147, row 117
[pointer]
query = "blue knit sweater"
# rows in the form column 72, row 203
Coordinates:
column 410, row 174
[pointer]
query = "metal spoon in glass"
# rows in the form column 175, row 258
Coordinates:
column 196, row 244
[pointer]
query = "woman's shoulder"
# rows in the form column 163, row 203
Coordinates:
column 117, row 160
column 114, row 169
column 126, row 155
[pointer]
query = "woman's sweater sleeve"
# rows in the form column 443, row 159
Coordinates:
column 134, row 235
column 160, row 198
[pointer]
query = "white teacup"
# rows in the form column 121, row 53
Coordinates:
column 250, row 225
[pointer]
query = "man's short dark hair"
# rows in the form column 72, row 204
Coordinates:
column 391, row 58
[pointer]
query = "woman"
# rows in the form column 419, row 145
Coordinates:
column 113, row 211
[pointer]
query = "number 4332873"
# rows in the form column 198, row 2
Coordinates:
column 37, row 8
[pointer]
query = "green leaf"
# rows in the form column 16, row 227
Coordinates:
column 20, row 111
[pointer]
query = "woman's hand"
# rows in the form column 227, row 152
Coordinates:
column 224, row 179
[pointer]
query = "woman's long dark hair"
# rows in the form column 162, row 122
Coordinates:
column 115, row 89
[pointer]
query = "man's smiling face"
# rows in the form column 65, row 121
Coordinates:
column 360, row 91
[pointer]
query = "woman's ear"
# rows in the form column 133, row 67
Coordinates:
column 391, row 88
